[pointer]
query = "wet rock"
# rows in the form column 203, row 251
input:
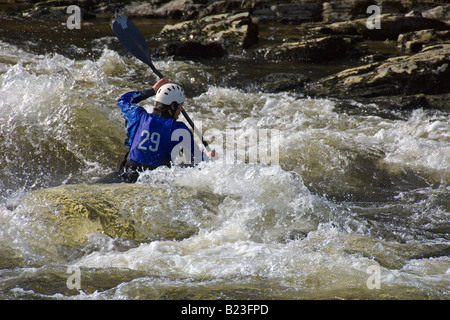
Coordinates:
column 418, row 101
column 144, row 9
column 297, row 13
column 184, row 9
column 414, row 13
column 308, row 50
column 289, row 12
column 194, row 50
column 427, row 72
column 176, row 9
column 399, row 102
column 58, row 9
column 412, row 46
column 222, row 7
column 264, row 14
column 439, row 13
column 45, row 12
column 414, row 41
column 439, row 101
column 392, row 26
column 337, row 11
column 395, row 6
column 70, row 213
column 273, row 83
column 234, row 32
column 393, row 255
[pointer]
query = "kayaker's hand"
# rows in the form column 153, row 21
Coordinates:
column 160, row 83
column 212, row 154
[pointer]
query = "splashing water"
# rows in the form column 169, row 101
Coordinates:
column 348, row 193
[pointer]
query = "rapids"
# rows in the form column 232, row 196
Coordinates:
column 353, row 205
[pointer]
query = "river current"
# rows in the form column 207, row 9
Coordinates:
column 352, row 205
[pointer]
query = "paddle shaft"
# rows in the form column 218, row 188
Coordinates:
column 132, row 39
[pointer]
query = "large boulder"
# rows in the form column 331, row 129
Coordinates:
column 427, row 72
column 439, row 12
column 234, row 32
column 68, row 214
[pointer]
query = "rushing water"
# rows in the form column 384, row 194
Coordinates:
column 356, row 205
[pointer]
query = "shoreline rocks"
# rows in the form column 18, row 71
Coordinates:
column 391, row 26
column 426, row 72
column 413, row 42
column 406, row 82
column 234, row 32
column 320, row 32
column 316, row 49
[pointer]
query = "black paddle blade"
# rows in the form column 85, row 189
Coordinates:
column 132, row 39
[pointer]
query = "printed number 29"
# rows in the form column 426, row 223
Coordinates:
column 154, row 138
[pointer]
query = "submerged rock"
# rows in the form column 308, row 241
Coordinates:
column 69, row 213
column 393, row 255
column 409, row 102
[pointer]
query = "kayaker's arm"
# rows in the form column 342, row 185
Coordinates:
column 147, row 93
column 128, row 102
column 138, row 96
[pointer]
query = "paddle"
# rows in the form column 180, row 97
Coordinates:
column 132, row 39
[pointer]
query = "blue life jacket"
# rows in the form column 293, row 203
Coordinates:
column 153, row 139
column 152, row 143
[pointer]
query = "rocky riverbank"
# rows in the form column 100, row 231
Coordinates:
column 402, row 55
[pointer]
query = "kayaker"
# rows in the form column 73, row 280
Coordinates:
column 156, row 138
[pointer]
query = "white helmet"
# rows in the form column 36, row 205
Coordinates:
column 169, row 93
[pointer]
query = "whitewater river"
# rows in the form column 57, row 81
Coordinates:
column 349, row 205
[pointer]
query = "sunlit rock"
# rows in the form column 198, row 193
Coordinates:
column 69, row 213
column 427, row 72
